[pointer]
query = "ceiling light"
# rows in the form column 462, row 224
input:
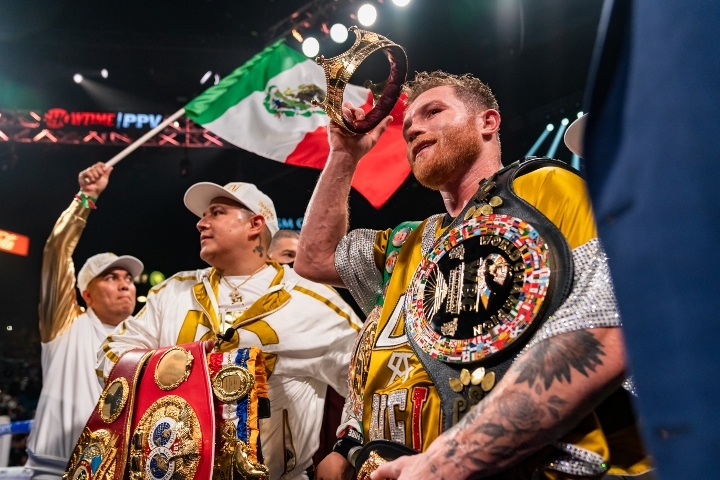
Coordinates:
column 104, row 73
column 338, row 33
column 77, row 78
column 311, row 47
column 550, row 127
column 401, row 3
column 296, row 35
column 565, row 121
column 367, row 15
column 206, row 77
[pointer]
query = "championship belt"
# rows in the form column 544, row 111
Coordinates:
column 101, row 450
column 375, row 453
column 339, row 69
column 496, row 274
column 172, row 427
column 158, row 415
column 240, row 385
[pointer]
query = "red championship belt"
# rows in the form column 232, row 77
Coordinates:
column 172, row 426
column 101, row 450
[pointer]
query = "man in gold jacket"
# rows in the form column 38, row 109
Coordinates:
column 70, row 335
column 548, row 415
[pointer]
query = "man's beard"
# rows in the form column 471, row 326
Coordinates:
column 453, row 154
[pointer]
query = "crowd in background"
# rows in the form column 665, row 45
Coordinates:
column 20, row 385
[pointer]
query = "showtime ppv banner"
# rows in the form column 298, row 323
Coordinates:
column 62, row 126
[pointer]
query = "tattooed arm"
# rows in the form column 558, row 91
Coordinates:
column 546, row 392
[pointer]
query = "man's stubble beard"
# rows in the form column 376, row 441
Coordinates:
column 454, row 153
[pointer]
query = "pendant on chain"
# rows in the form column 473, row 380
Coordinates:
column 235, row 297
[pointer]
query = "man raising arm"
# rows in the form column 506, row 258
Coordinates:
column 326, row 218
column 543, row 405
column 70, row 336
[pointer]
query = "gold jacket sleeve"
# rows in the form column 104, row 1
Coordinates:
column 58, row 303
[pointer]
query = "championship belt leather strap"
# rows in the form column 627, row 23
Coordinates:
column 101, row 451
column 172, row 427
column 446, row 375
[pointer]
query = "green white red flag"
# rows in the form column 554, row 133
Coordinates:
column 264, row 107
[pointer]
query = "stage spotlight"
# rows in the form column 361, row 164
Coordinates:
column 580, row 114
column 104, row 73
column 206, row 77
column 575, row 162
column 401, row 3
column 367, row 15
column 77, row 78
column 310, row 47
column 216, row 79
column 338, row 33
column 558, row 137
column 540, row 140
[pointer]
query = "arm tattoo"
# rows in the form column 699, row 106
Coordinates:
column 553, row 358
column 521, row 411
column 504, row 427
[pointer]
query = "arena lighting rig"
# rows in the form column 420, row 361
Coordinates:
column 319, row 14
column 552, row 150
column 61, row 126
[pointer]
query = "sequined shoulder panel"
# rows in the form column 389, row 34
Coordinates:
column 429, row 233
column 355, row 264
column 591, row 303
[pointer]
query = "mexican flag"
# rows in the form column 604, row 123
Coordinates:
column 264, row 107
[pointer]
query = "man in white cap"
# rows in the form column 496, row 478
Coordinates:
column 70, row 335
column 305, row 330
column 575, row 134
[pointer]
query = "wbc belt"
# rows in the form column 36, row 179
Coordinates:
column 172, row 426
column 496, row 274
column 101, row 451
column 499, row 270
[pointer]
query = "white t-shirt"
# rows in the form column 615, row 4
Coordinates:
column 69, row 394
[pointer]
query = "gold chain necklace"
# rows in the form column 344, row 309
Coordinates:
column 235, row 295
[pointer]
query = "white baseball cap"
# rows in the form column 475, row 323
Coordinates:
column 199, row 196
column 574, row 135
column 102, row 262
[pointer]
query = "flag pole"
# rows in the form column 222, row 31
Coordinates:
column 137, row 143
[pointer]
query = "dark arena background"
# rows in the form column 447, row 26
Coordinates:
column 69, row 69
